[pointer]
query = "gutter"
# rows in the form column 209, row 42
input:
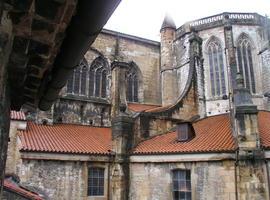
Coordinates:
column 83, row 29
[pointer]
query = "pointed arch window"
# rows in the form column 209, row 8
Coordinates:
column 98, row 78
column 89, row 81
column 132, row 84
column 245, row 62
column 216, row 66
column 77, row 81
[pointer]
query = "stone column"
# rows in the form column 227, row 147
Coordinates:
column 118, row 88
column 196, row 62
column 168, row 76
column 5, row 48
column 251, row 181
column 122, row 130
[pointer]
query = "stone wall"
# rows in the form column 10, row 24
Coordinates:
column 266, row 70
column 13, row 154
column 209, row 180
column 144, row 53
column 61, row 180
column 214, row 105
column 82, row 112
column 265, row 56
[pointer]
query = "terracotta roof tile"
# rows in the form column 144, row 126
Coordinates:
column 13, row 187
column 213, row 134
column 17, row 115
column 137, row 107
column 264, row 128
column 65, row 138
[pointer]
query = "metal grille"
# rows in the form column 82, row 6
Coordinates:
column 95, row 181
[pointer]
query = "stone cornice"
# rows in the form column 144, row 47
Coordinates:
column 220, row 20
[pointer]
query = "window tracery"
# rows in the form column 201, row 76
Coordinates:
column 89, row 81
column 216, row 66
column 245, row 61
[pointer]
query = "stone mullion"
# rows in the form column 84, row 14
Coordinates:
column 132, row 87
column 243, row 65
column 100, row 83
column 219, row 71
column 210, row 66
column 87, row 82
column 94, row 84
column 73, row 82
column 80, row 81
column 214, row 72
column 249, row 70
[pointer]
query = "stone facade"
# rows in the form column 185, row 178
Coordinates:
column 176, row 75
column 147, row 182
column 64, row 179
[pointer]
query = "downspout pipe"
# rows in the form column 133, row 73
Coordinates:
column 90, row 17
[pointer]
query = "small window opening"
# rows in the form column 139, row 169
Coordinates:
column 185, row 131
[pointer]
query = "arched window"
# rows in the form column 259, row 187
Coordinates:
column 77, row 81
column 132, row 84
column 98, row 78
column 216, row 66
column 245, row 62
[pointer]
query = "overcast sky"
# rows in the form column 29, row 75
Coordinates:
column 143, row 18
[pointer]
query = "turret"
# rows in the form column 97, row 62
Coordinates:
column 167, row 33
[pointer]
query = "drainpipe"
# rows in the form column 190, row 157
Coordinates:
column 235, row 175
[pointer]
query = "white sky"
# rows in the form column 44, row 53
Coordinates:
column 143, row 18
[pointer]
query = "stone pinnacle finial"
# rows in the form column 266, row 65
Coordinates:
column 168, row 22
column 122, row 107
column 239, row 80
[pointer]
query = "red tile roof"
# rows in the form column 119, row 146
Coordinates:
column 65, row 138
column 160, row 109
column 17, row 115
column 137, row 107
column 264, row 128
column 13, row 187
column 213, row 134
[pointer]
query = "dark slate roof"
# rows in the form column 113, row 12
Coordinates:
column 168, row 22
